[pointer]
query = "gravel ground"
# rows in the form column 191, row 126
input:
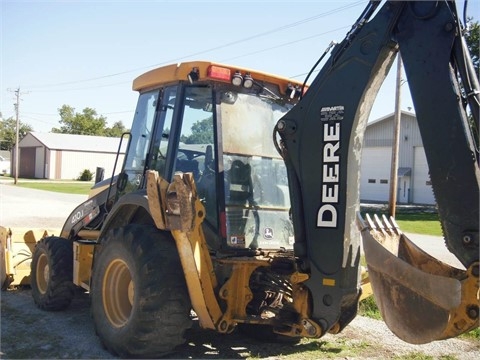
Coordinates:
column 23, row 207
column 27, row 332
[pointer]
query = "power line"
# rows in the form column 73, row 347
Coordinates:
column 118, row 112
column 228, row 59
column 52, row 122
column 40, row 114
column 287, row 43
column 83, row 88
column 224, row 60
column 106, row 113
column 268, row 32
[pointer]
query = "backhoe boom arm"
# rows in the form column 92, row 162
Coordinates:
column 322, row 137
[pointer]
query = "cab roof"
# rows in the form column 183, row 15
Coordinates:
column 180, row 71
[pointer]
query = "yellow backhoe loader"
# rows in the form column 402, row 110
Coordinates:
column 239, row 198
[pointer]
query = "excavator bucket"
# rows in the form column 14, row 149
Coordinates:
column 16, row 253
column 421, row 299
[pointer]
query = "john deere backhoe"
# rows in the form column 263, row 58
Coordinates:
column 239, row 198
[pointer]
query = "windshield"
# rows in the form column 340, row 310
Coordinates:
column 255, row 174
column 248, row 121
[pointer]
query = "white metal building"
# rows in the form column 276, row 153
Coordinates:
column 413, row 177
column 65, row 156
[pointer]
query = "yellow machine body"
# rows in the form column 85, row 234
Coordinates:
column 16, row 250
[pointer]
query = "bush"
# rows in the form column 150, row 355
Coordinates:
column 86, row 175
column 368, row 307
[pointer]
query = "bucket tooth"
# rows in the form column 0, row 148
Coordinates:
column 420, row 298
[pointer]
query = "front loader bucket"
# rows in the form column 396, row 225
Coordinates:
column 421, row 299
column 16, row 248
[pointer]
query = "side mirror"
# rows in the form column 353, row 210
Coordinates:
column 99, row 174
column 122, row 181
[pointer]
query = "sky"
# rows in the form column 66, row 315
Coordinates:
column 87, row 53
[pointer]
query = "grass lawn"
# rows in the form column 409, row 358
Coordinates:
column 79, row 187
column 423, row 221
column 419, row 223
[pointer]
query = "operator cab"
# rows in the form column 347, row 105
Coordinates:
column 216, row 122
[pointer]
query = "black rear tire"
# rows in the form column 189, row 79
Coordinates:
column 52, row 273
column 140, row 302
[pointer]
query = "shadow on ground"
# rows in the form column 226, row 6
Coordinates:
column 30, row 333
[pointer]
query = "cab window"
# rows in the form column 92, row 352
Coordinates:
column 196, row 146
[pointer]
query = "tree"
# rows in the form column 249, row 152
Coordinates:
column 202, row 132
column 8, row 132
column 473, row 39
column 85, row 123
column 116, row 130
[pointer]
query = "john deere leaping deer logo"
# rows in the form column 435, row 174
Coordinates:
column 268, row 233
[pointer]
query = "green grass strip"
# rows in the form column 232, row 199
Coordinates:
column 79, row 188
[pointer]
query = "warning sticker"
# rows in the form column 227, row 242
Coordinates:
column 237, row 240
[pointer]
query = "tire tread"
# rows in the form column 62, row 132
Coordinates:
column 60, row 288
column 163, row 311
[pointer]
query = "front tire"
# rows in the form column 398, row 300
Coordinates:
column 140, row 301
column 52, row 273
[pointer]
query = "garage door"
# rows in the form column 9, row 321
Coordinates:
column 375, row 173
column 27, row 162
column 422, row 188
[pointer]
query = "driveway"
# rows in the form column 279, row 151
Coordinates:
column 435, row 246
column 35, row 209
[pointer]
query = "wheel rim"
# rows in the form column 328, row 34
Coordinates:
column 118, row 293
column 42, row 274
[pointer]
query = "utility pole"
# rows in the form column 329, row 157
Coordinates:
column 392, row 201
column 17, row 131
column 17, row 109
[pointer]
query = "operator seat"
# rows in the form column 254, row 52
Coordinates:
column 239, row 199
column 206, row 186
column 240, row 183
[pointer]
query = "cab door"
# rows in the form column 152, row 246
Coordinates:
column 149, row 138
column 133, row 175
column 196, row 148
